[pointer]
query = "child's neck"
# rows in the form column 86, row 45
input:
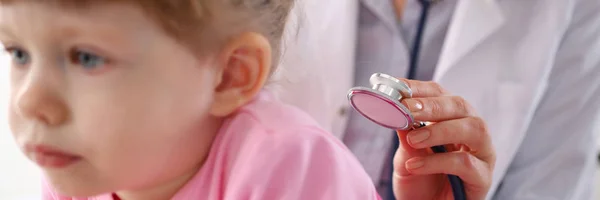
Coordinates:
column 162, row 192
column 168, row 189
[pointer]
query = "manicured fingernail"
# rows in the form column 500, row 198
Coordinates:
column 414, row 163
column 413, row 105
column 418, row 136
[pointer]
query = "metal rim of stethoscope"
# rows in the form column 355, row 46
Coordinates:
column 392, row 91
column 384, row 97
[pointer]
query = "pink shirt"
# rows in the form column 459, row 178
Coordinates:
column 272, row 151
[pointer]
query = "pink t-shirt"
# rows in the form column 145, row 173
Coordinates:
column 272, row 151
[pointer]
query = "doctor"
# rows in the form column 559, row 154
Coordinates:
column 530, row 69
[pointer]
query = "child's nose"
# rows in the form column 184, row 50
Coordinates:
column 37, row 100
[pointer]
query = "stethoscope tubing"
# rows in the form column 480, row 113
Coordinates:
column 458, row 188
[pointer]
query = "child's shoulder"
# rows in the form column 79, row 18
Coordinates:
column 277, row 151
column 274, row 114
column 269, row 121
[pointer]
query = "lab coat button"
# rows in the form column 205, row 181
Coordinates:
column 343, row 111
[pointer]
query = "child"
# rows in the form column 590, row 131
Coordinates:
column 163, row 99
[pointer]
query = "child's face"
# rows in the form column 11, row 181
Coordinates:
column 125, row 103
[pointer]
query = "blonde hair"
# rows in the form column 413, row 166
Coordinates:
column 205, row 25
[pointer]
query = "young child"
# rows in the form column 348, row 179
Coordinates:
column 163, row 99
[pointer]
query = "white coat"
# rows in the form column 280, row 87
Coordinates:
column 530, row 68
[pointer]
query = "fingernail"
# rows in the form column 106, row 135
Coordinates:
column 414, row 163
column 413, row 105
column 418, row 136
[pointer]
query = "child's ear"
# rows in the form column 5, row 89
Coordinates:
column 245, row 63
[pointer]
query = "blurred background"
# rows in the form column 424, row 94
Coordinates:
column 19, row 178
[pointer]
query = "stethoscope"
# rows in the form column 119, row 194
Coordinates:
column 381, row 102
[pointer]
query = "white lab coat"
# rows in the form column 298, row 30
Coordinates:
column 318, row 60
column 530, row 68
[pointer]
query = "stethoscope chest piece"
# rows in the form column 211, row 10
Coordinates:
column 381, row 103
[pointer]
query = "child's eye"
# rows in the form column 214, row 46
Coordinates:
column 87, row 60
column 18, row 56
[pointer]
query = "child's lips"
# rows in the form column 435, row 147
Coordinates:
column 51, row 157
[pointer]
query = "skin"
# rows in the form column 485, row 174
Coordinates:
column 399, row 8
column 420, row 174
column 138, row 109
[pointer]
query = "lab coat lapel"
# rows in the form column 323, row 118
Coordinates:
column 472, row 23
column 384, row 10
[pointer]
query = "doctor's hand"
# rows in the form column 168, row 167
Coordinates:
column 421, row 174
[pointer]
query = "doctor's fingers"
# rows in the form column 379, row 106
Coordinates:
column 470, row 131
column 425, row 88
column 435, row 109
column 476, row 173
